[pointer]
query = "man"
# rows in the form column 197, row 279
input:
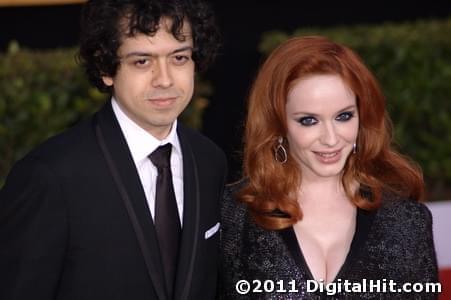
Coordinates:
column 126, row 204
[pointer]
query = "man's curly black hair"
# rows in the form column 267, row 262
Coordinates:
column 103, row 23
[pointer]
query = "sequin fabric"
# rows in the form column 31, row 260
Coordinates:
column 399, row 246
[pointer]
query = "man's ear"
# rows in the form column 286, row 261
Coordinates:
column 108, row 81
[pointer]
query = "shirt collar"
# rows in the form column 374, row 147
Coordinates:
column 140, row 142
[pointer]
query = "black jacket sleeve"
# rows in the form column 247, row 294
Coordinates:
column 33, row 231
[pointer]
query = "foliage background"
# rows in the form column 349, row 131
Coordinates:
column 44, row 92
column 412, row 61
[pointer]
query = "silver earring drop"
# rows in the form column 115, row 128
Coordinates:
column 354, row 148
column 280, row 154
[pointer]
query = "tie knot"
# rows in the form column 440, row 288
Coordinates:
column 161, row 157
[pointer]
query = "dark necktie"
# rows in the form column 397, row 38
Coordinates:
column 167, row 222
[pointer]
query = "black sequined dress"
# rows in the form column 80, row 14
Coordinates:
column 392, row 245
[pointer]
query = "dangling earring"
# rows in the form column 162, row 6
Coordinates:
column 280, row 154
column 354, row 148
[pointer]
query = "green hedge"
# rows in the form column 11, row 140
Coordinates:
column 413, row 63
column 44, row 92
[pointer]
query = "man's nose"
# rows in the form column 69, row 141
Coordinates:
column 161, row 75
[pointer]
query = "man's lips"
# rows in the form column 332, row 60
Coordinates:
column 162, row 98
column 162, row 101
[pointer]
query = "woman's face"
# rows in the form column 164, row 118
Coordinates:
column 323, row 123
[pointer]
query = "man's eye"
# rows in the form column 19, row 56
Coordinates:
column 345, row 116
column 181, row 59
column 140, row 63
column 307, row 121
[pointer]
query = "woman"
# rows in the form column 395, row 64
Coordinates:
column 327, row 208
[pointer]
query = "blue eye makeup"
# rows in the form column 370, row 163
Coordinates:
column 345, row 116
column 310, row 120
column 307, row 121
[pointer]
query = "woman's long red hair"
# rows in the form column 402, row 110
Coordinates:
column 273, row 186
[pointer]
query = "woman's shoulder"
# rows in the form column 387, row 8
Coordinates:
column 233, row 218
column 400, row 245
column 232, row 210
column 404, row 217
column 404, row 209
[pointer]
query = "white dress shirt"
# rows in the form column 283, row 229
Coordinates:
column 141, row 145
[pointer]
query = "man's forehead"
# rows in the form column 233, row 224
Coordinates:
column 161, row 44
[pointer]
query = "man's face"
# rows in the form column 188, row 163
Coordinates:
column 155, row 79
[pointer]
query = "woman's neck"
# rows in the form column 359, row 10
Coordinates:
column 322, row 195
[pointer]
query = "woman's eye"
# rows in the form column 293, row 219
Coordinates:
column 307, row 121
column 345, row 116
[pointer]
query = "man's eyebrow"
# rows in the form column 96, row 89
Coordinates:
column 183, row 49
column 149, row 54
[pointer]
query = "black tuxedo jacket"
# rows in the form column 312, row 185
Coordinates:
column 74, row 220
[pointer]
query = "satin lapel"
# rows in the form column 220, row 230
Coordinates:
column 191, row 219
column 123, row 170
